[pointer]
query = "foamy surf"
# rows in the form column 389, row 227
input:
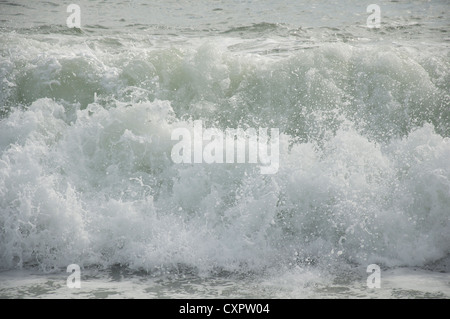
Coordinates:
column 87, row 177
column 398, row 283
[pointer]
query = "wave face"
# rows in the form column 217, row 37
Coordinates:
column 86, row 174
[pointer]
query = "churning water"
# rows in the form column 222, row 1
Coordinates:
column 86, row 176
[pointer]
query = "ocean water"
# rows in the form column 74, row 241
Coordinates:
column 86, row 175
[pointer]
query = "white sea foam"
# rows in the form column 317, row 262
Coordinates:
column 86, row 174
column 103, row 189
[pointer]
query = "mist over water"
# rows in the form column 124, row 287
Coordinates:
column 86, row 117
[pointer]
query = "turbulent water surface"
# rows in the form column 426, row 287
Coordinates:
column 86, row 175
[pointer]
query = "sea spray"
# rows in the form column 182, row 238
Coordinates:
column 86, row 169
